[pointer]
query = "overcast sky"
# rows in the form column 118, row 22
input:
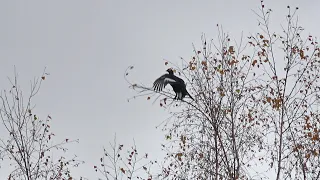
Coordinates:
column 87, row 45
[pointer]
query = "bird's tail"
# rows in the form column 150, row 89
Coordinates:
column 190, row 96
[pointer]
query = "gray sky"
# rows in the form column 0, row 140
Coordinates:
column 87, row 45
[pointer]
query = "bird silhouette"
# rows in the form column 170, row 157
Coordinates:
column 177, row 84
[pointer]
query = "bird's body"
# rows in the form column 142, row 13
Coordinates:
column 177, row 84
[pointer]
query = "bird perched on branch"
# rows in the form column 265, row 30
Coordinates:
column 178, row 85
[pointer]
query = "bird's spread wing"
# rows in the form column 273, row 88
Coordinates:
column 162, row 81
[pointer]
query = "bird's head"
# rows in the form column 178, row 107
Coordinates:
column 170, row 71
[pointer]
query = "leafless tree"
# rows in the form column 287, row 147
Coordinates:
column 29, row 146
column 116, row 163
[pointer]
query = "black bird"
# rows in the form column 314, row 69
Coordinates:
column 178, row 85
